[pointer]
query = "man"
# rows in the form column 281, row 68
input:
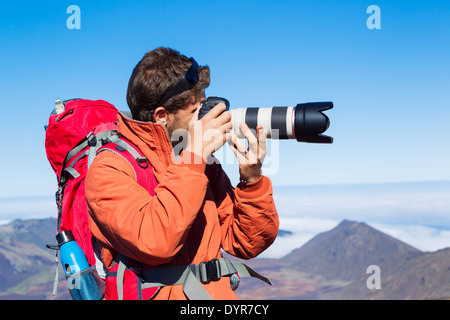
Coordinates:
column 194, row 212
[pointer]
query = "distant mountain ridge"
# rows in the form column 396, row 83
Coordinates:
column 27, row 267
column 345, row 251
column 332, row 265
column 24, row 260
column 36, row 231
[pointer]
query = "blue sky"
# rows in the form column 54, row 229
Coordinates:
column 390, row 87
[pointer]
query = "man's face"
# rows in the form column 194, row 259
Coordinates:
column 181, row 119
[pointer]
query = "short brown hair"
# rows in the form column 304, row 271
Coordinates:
column 157, row 72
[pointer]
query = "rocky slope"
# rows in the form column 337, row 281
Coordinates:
column 332, row 265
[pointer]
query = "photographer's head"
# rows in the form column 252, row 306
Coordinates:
column 163, row 83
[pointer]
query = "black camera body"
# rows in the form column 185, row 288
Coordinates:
column 210, row 103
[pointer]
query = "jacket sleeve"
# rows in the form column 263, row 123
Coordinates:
column 124, row 216
column 248, row 216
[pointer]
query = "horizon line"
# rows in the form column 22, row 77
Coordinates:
column 52, row 195
column 360, row 183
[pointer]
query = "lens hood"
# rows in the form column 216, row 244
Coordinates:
column 310, row 122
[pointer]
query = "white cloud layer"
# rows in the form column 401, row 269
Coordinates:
column 305, row 228
column 421, row 237
column 26, row 208
column 415, row 213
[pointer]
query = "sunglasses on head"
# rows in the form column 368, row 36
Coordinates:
column 188, row 81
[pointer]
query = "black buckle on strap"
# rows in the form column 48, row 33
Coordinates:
column 211, row 269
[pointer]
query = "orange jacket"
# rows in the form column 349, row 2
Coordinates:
column 195, row 211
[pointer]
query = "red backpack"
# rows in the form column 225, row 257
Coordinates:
column 77, row 130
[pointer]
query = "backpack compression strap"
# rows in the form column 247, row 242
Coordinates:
column 190, row 276
column 94, row 141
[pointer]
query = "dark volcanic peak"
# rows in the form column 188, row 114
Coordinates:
column 346, row 251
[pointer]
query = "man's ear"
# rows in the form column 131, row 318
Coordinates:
column 160, row 115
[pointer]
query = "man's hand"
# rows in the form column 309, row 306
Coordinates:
column 209, row 133
column 251, row 158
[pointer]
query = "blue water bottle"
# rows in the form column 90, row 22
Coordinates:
column 80, row 278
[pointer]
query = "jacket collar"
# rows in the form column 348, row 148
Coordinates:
column 151, row 138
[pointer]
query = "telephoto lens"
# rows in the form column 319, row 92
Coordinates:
column 305, row 122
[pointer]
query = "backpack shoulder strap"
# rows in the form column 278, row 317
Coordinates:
column 140, row 164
